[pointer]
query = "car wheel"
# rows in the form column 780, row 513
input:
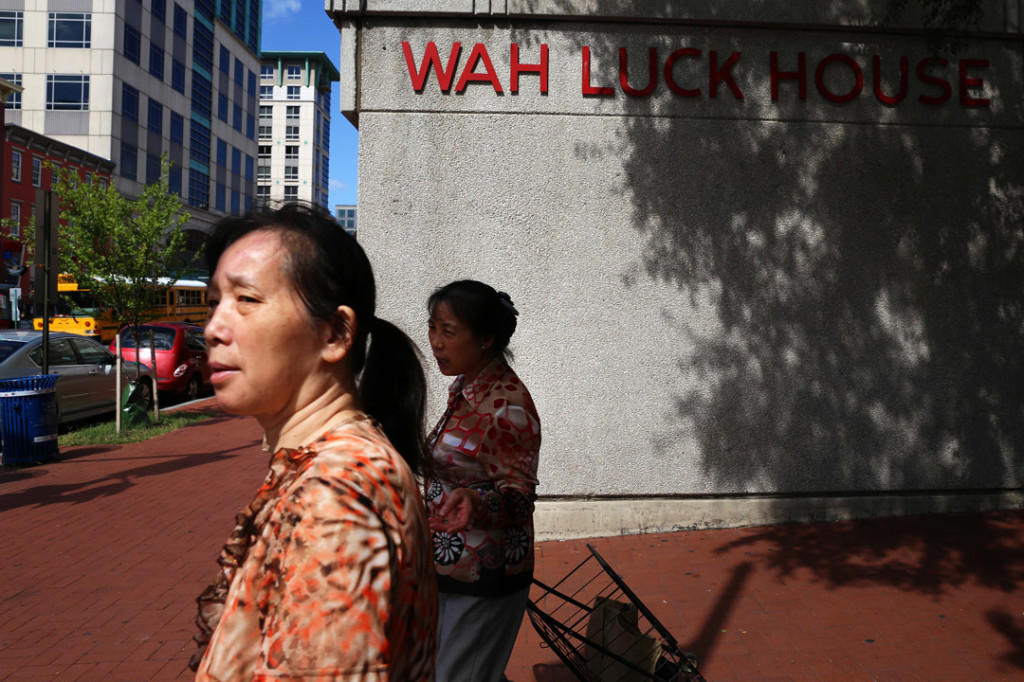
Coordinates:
column 192, row 388
column 146, row 393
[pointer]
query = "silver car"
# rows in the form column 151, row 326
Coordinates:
column 86, row 386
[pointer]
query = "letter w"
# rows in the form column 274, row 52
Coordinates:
column 431, row 58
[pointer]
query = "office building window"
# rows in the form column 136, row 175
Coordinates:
column 174, row 180
column 177, row 128
column 266, row 132
column 266, row 111
column 180, row 21
column 291, row 193
column 266, row 92
column 129, row 167
column 236, row 202
column 202, row 94
column 67, row 92
column 199, row 139
column 225, row 60
column 264, row 151
column 292, row 112
column 178, row 76
column 291, row 152
column 293, row 72
column 202, row 45
column 239, row 73
column 325, row 171
column 156, row 61
column 132, row 43
column 11, row 28
column 152, row 168
column 249, row 163
column 236, row 117
column 155, row 117
column 129, row 102
column 159, row 10
column 222, row 107
column 16, row 166
column 14, row 99
column 222, row 153
column 198, row 189
column 266, row 71
column 291, row 172
column 250, row 126
column 291, row 132
column 252, row 82
column 263, row 192
column 37, row 172
column 292, row 92
column 69, row 29
column 219, row 201
column 262, row 172
column 236, row 160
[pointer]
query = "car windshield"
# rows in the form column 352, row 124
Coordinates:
column 163, row 338
column 7, row 347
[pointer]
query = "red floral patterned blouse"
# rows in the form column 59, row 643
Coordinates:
column 487, row 440
column 337, row 582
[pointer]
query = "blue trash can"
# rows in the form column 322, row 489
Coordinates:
column 28, row 419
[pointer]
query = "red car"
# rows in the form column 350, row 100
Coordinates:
column 181, row 362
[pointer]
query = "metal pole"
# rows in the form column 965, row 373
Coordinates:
column 117, row 382
column 47, row 274
column 152, row 360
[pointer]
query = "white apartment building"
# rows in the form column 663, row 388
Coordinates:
column 294, row 127
column 131, row 80
column 347, row 216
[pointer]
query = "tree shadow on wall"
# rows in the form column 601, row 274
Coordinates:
column 866, row 283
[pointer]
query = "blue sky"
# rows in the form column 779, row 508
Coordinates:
column 303, row 25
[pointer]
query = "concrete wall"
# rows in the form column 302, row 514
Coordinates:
column 721, row 295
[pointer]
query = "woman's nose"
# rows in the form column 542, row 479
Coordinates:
column 215, row 330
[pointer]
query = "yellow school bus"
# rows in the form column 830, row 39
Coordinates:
column 78, row 311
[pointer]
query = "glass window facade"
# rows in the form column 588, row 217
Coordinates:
column 69, row 29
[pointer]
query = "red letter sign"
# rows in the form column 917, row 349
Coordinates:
column 670, row 79
column 517, row 68
column 588, row 89
column 800, row 75
column 652, row 73
column 966, row 83
column 479, row 53
column 431, row 58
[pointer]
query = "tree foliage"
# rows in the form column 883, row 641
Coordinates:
column 122, row 248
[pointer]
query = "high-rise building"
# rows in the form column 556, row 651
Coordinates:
column 295, row 127
column 347, row 216
column 135, row 79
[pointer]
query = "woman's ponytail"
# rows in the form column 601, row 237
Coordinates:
column 393, row 389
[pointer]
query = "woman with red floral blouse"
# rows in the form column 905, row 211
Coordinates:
column 327, row 574
column 480, row 496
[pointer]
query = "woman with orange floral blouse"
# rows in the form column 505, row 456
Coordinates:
column 327, row 573
column 480, row 496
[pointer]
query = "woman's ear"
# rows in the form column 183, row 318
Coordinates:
column 339, row 337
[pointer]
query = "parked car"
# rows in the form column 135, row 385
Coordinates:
column 181, row 363
column 87, row 383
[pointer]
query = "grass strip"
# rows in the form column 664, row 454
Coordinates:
column 105, row 433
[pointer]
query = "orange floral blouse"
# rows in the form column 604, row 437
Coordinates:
column 328, row 574
column 487, row 440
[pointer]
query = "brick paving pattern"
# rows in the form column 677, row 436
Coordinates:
column 104, row 552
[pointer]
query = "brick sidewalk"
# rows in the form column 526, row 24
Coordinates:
column 105, row 551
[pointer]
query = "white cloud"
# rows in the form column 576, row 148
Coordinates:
column 337, row 184
column 276, row 9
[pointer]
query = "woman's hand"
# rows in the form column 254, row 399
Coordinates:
column 457, row 511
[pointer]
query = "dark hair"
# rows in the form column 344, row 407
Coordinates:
column 329, row 268
column 487, row 312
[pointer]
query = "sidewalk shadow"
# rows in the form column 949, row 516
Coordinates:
column 107, row 486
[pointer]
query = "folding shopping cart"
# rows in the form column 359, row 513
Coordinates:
column 603, row 632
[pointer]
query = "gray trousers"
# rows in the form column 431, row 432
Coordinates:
column 476, row 635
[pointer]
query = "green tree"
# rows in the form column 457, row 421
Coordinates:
column 124, row 249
